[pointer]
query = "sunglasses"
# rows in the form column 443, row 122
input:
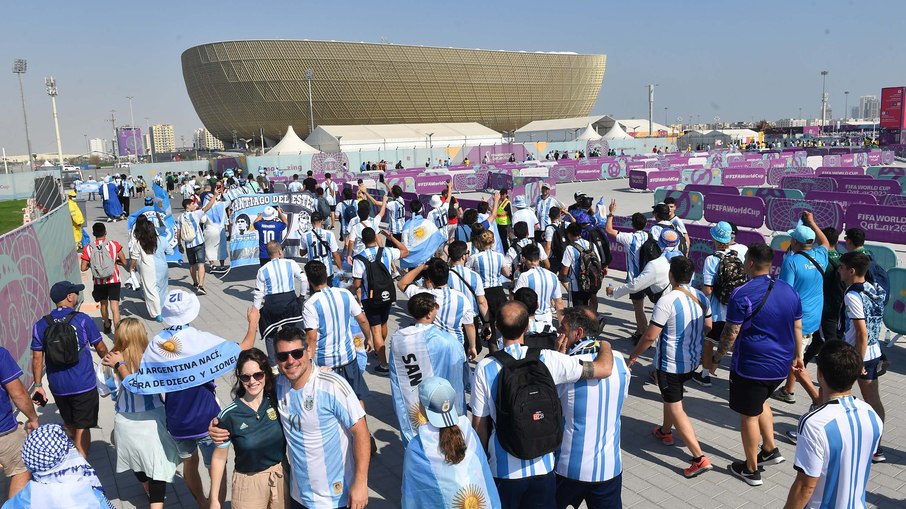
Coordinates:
column 259, row 376
column 284, row 356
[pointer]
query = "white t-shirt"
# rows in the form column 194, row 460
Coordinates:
column 571, row 260
column 528, row 217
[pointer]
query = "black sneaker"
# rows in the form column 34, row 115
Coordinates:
column 738, row 468
column 793, row 436
column 770, row 458
column 704, row 381
column 200, row 291
column 381, row 370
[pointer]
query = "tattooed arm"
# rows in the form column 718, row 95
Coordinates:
column 727, row 338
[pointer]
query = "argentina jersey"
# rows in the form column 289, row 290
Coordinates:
column 488, row 264
column 330, row 311
column 194, row 218
column 468, row 282
column 321, row 244
column 546, row 285
column 396, row 215
column 543, row 210
column 590, row 451
column 454, row 311
column 277, row 276
column 679, row 345
column 631, row 243
column 129, row 402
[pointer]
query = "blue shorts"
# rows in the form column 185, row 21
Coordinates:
column 871, row 369
column 187, row 447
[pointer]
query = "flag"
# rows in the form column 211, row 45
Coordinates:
column 423, row 239
column 167, row 231
column 181, row 358
column 429, row 482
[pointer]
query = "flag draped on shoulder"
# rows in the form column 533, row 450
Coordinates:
column 166, row 231
column 181, row 358
column 423, row 239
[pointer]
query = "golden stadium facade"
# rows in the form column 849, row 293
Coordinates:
column 246, row 86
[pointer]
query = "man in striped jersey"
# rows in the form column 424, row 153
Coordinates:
column 543, row 205
column 194, row 247
column 465, row 279
column 327, row 316
column 456, row 314
column 632, row 243
column 524, row 483
column 354, row 242
column 836, row 440
column 680, row 320
column 396, row 211
column 275, row 295
column 589, row 463
column 321, row 245
column 544, row 283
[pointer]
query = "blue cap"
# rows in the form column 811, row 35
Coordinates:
column 802, row 234
column 722, row 232
column 439, row 399
column 61, row 289
column 669, row 238
column 149, row 201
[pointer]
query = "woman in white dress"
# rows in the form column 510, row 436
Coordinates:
column 147, row 252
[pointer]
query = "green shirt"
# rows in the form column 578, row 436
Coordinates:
column 256, row 435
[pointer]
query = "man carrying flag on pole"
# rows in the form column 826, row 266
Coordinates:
column 423, row 239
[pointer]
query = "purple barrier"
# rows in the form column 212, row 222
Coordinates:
column 638, row 179
column 616, row 169
column 874, row 158
column 768, row 193
column 879, row 188
column 500, row 180
column 701, row 176
column 806, row 183
column 743, row 236
column 844, row 199
column 775, row 174
column 431, row 184
column 707, row 190
column 879, row 222
column 894, row 200
column 651, row 180
column 842, row 170
column 888, row 172
column 740, row 210
column 887, row 157
column 469, row 181
column 561, row 173
column 587, row 172
column 783, row 214
column 743, row 176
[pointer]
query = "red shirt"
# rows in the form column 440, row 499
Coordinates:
column 113, row 248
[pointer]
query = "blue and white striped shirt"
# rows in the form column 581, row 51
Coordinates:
column 590, row 451
column 455, row 309
column 316, row 420
column 548, row 288
column 543, row 210
column 472, row 280
column 679, row 346
column 370, row 253
column 836, row 442
column 196, row 219
column 632, row 242
column 129, row 402
column 488, row 264
column 331, row 312
column 396, row 215
column 439, row 217
column 317, row 250
column 278, row 276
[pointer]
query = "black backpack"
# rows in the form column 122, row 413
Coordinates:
column 61, row 344
column 380, row 282
column 650, row 250
column 558, row 247
column 589, row 274
column 599, row 243
column 682, row 247
column 730, row 275
column 834, row 288
column 528, row 422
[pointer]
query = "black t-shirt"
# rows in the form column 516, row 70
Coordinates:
column 256, row 435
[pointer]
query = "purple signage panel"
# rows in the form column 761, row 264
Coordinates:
column 895, row 200
column 783, row 213
column 879, row 188
column 767, row 193
column 662, row 178
column 500, row 180
column 743, row 176
column 468, row 181
column 842, row 170
column 638, row 179
column 561, row 173
column 887, row 156
column 806, row 183
column 879, row 222
column 740, row 210
column 874, row 158
column 586, row 172
column 708, row 190
column 844, row 199
column 431, row 184
column 746, row 237
column 702, row 176
column 775, row 174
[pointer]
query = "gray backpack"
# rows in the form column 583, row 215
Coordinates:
column 102, row 264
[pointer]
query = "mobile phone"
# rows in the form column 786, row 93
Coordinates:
column 39, row 399
column 381, row 178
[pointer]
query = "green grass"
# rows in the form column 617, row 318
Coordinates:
column 11, row 215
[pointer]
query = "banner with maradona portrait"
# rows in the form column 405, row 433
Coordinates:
column 245, row 208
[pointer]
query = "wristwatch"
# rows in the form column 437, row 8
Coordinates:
column 38, row 385
column 117, row 364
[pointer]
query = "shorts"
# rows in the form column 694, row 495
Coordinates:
column 496, row 298
column 266, row 488
column 671, row 385
column 580, row 298
column 717, row 329
column 871, row 369
column 352, row 374
column 747, row 395
column 333, row 208
column 79, row 411
column 807, row 340
column 109, row 291
column 11, row 451
column 377, row 314
column 195, row 255
column 639, row 295
column 186, row 447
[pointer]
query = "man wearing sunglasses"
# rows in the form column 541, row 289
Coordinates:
column 324, row 426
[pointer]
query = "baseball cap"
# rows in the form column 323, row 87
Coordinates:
column 802, row 234
column 669, row 238
column 545, row 185
column 439, row 399
column 519, row 202
column 722, row 232
column 149, row 201
column 269, row 213
column 436, row 201
column 180, row 308
column 61, row 289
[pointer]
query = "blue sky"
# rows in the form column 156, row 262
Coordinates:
column 737, row 60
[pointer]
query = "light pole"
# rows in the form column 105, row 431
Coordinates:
column 846, row 105
column 150, row 139
column 116, row 139
column 51, row 85
column 823, row 98
column 651, row 108
column 235, row 141
column 309, row 76
column 430, row 145
column 666, row 118
column 132, row 120
column 20, row 65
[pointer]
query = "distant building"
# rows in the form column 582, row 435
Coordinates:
column 99, row 147
column 786, row 123
column 204, row 140
column 162, row 139
column 855, row 112
column 869, row 107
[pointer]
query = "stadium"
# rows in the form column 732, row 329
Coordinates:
column 239, row 88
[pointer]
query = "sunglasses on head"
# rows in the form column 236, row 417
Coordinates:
column 284, row 356
column 259, row 376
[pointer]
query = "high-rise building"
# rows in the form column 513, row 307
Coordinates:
column 786, row 123
column 204, row 140
column 99, row 147
column 869, row 107
column 855, row 113
column 162, row 139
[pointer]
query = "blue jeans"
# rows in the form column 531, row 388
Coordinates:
column 596, row 495
column 529, row 493
column 187, row 447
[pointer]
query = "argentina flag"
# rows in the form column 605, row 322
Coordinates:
column 429, row 482
column 423, row 239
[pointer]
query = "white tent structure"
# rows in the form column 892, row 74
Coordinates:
column 640, row 127
column 616, row 133
column 563, row 129
column 291, row 144
column 350, row 138
column 589, row 134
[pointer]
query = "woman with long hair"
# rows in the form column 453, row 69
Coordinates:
column 445, row 465
column 256, row 434
column 140, row 431
column 148, row 254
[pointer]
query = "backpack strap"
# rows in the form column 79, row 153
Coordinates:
column 814, row 262
column 692, row 296
column 504, row 358
column 533, row 353
column 323, row 243
column 763, row 300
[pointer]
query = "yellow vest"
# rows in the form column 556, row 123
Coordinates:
column 502, row 217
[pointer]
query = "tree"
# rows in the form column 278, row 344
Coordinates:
column 763, row 125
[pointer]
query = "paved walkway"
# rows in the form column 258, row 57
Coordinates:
column 652, row 475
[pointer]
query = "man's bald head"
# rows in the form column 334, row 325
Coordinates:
column 274, row 250
column 512, row 320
